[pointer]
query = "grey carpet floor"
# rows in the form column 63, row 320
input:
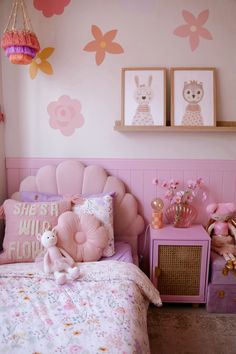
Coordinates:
column 183, row 329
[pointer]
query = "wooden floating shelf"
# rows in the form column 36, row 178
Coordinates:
column 221, row 126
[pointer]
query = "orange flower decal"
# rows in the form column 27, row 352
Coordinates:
column 103, row 43
column 40, row 63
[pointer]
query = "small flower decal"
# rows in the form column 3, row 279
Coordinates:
column 51, row 7
column 40, row 63
column 65, row 115
column 194, row 28
column 103, row 43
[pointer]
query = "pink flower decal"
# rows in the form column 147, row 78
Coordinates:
column 194, row 28
column 51, row 7
column 103, row 43
column 65, row 115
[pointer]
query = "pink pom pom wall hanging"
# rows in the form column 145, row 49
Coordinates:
column 19, row 42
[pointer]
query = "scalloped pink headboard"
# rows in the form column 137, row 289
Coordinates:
column 73, row 177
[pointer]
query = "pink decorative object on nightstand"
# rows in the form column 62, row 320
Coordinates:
column 157, row 214
column 181, row 215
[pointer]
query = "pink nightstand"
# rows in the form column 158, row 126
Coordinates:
column 179, row 263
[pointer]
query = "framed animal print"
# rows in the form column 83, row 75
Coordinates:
column 143, row 97
column 193, row 97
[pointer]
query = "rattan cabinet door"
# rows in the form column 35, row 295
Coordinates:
column 180, row 270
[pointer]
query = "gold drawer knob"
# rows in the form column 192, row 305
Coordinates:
column 221, row 294
column 157, row 272
column 225, row 271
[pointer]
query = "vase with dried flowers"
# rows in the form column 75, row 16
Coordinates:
column 181, row 213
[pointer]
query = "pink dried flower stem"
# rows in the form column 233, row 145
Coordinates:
column 183, row 196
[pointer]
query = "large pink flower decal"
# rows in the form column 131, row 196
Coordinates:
column 51, row 7
column 65, row 115
column 194, row 28
column 102, row 44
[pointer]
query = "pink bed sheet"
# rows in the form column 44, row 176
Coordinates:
column 123, row 253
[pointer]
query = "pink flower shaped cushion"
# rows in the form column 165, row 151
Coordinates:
column 83, row 237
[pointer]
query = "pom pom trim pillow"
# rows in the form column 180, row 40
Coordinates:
column 102, row 208
column 23, row 222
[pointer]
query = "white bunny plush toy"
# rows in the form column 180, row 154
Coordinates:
column 56, row 260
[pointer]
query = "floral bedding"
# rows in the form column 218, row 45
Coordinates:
column 104, row 311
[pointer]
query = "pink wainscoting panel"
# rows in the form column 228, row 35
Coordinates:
column 125, row 176
column 219, row 176
column 229, row 180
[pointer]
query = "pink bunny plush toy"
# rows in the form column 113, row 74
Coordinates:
column 222, row 228
column 56, row 260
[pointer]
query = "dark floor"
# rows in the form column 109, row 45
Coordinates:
column 190, row 329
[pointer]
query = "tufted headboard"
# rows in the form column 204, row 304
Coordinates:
column 73, row 177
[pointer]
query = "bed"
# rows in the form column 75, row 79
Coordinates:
column 105, row 309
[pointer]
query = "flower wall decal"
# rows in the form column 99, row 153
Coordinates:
column 103, row 43
column 65, row 115
column 40, row 63
column 51, row 7
column 194, row 28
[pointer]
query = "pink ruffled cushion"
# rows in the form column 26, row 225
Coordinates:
column 83, row 237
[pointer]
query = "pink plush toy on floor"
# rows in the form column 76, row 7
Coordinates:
column 222, row 228
column 56, row 260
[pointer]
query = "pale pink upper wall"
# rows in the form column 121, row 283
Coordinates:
column 145, row 32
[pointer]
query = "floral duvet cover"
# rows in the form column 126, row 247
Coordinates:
column 104, row 311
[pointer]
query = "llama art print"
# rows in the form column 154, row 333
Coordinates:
column 193, row 93
column 143, row 96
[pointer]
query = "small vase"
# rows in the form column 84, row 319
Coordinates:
column 181, row 214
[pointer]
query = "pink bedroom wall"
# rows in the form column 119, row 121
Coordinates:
column 145, row 31
column 219, row 177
